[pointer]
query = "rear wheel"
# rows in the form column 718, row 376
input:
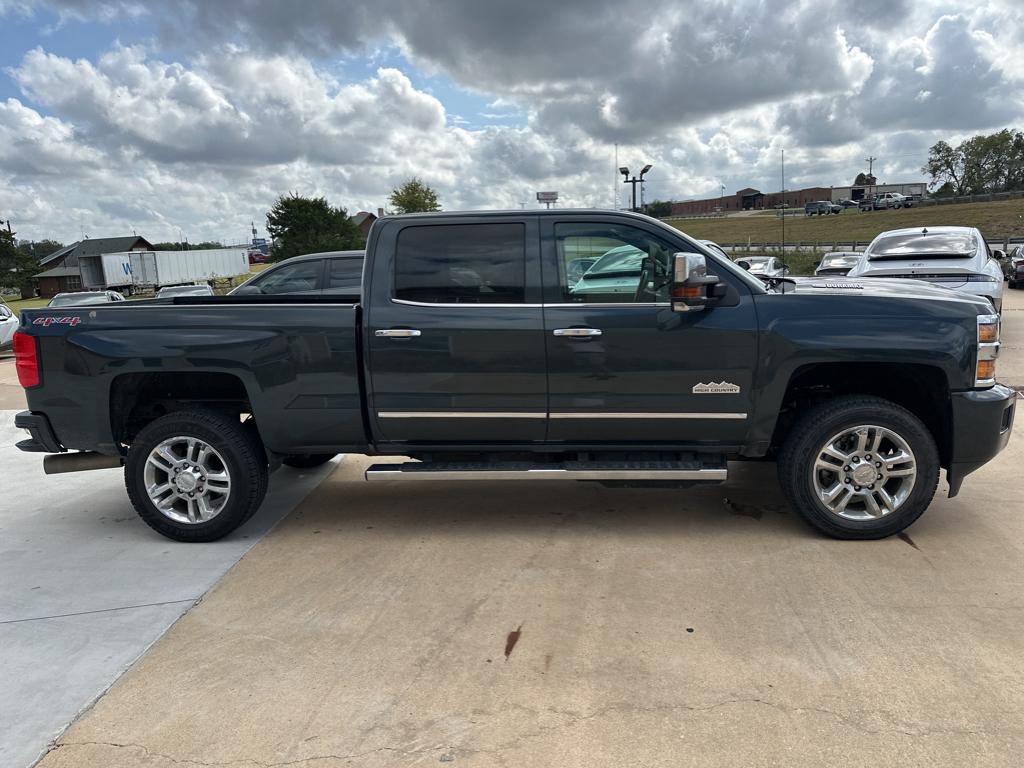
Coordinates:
column 859, row 467
column 196, row 475
column 307, row 460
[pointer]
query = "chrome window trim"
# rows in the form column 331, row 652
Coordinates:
column 557, row 305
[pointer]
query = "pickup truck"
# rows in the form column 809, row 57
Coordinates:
column 474, row 353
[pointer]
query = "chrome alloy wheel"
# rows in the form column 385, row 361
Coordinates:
column 864, row 473
column 187, row 480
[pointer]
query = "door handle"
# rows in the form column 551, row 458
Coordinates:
column 577, row 333
column 397, row 333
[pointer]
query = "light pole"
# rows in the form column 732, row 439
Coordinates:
column 634, row 181
column 721, row 203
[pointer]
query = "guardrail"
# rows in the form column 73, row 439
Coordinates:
column 1004, row 244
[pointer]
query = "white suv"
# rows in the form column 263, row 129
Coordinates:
column 953, row 257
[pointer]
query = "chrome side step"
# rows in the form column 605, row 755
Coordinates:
column 570, row 470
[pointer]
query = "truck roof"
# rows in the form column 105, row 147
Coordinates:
column 519, row 213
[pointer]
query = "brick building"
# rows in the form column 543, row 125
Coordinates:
column 751, row 199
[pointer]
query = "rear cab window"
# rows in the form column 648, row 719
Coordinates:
column 461, row 264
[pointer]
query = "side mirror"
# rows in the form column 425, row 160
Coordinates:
column 998, row 254
column 743, row 264
column 690, row 282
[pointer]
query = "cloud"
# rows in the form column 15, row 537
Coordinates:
column 709, row 93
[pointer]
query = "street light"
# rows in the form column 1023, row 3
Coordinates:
column 635, row 180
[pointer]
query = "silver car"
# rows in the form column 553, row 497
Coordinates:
column 952, row 257
column 764, row 267
column 837, row 263
column 184, row 290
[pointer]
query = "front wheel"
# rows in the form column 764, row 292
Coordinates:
column 196, row 475
column 859, row 467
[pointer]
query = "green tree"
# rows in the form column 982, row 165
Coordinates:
column 187, row 246
column 992, row 163
column 413, row 197
column 301, row 225
column 659, row 209
column 865, row 180
column 18, row 267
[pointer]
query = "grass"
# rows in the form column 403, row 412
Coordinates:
column 996, row 220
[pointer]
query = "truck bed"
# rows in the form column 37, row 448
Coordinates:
column 295, row 360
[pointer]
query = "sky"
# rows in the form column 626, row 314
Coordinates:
column 188, row 118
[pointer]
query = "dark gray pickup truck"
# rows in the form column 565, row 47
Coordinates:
column 475, row 351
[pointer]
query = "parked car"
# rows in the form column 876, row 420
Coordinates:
column 886, row 200
column 257, row 257
column 1015, row 272
column 821, row 208
column 615, row 272
column 847, row 203
column 952, row 257
column 8, row 325
column 467, row 356
column 184, row 290
column 837, row 263
column 323, row 274
column 764, row 267
column 81, row 298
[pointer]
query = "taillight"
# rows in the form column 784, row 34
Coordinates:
column 26, row 359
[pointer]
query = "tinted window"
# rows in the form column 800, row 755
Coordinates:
column 462, row 264
column 291, row 278
column 625, row 264
column 344, row 273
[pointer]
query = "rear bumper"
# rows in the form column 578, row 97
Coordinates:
column 982, row 422
column 43, row 439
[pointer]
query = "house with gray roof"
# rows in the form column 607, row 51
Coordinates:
column 61, row 271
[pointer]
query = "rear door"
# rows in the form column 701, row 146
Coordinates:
column 622, row 366
column 455, row 331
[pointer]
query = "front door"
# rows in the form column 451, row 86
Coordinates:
column 622, row 366
column 455, row 333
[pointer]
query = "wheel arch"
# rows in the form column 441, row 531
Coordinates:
column 921, row 389
column 136, row 399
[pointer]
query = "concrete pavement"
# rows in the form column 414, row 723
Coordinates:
column 573, row 625
column 87, row 587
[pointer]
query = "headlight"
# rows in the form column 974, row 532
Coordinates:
column 988, row 350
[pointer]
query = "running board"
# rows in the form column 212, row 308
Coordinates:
column 569, row 470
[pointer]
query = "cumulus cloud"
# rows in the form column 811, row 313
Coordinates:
column 708, row 92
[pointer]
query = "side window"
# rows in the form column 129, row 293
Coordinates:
column 462, row 264
column 612, row 263
column 344, row 273
column 291, row 278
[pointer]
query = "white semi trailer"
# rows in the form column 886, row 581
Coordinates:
column 136, row 270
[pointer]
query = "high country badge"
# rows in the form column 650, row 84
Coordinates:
column 716, row 388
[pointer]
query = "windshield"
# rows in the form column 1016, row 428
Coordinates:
column 624, row 260
column 938, row 245
column 84, row 298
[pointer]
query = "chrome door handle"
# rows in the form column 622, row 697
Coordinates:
column 397, row 333
column 577, row 333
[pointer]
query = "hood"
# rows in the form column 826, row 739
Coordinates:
column 892, row 287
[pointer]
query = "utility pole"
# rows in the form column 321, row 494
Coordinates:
column 871, row 176
column 782, row 210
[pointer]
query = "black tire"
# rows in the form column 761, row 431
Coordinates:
column 307, row 460
column 817, row 425
column 243, row 457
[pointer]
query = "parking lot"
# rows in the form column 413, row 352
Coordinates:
column 513, row 624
